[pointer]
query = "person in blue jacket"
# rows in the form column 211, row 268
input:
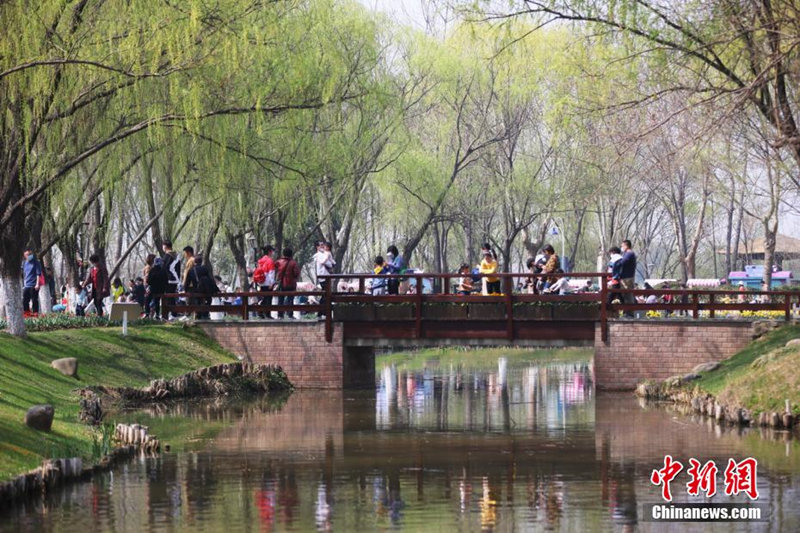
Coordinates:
column 395, row 265
column 32, row 280
column 627, row 272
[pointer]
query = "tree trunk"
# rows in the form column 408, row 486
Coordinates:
column 236, row 245
column 12, row 287
column 45, row 307
column 150, row 202
column 468, row 240
column 738, row 234
column 11, row 249
column 507, row 254
column 769, row 254
column 731, row 210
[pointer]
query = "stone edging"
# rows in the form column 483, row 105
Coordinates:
column 708, row 405
column 218, row 380
column 56, row 473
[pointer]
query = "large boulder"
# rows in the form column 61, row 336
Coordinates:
column 762, row 327
column 67, row 366
column 40, row 417
column 705, row 367
column 794, row 343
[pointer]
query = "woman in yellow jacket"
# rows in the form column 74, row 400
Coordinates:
column 117, row 290
column 489, row 266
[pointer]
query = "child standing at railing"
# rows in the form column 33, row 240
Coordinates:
column 489, row 266
column 379, row 285
column 465, row 285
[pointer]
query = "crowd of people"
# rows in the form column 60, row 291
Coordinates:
column 166, row 273
column 170, row 273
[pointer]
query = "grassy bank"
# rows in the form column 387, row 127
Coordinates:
column 105, row 358
column 760, row 377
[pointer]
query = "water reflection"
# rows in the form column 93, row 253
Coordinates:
column 533, row 396
column 518, row 444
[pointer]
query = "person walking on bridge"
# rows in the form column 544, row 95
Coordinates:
column 323, row 266
column 551, row 265
column 287, row 274
column 627, row 273
column 264, row 278
column 395, row 265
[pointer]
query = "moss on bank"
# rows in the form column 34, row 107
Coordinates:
column 105, row 358
column 761, row 385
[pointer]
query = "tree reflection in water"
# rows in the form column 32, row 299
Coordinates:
column 515, row 444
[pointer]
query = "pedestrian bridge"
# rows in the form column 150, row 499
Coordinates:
column 337, row 351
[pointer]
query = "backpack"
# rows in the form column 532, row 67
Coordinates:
column 172, row 265
column 205, row 283
column 476, row 275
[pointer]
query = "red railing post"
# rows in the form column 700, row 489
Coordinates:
column 604, row 308
column 245, row 310
column 508, row 286
column 787, row 303
column 711, row 312
column 696, row 308
column 328, row 311
column 418, row 315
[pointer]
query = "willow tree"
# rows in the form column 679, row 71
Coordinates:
column 119, row 69
column 740, row 56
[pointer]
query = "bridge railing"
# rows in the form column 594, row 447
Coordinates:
column 170, row 303
column 443, row 290
column 699, row 303
column 706, row 302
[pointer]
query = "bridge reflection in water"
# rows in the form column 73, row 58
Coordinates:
column 521, row 445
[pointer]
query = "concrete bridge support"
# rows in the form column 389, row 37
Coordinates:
column 637, row 350
column 300, row 349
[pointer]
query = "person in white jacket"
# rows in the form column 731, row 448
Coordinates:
column 323, row 265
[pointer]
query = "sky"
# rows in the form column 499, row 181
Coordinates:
column 408, row 12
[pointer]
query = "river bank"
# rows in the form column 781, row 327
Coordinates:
column 759, row 385
column 104, row 358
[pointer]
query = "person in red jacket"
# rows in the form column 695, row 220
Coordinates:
column 98, row 279
column 264, row 277
column 287, row 272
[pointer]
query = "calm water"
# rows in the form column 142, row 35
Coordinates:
column 508, row 444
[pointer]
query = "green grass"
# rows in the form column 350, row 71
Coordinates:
column 763, row 388
column 478, row 358
column 105, row 358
